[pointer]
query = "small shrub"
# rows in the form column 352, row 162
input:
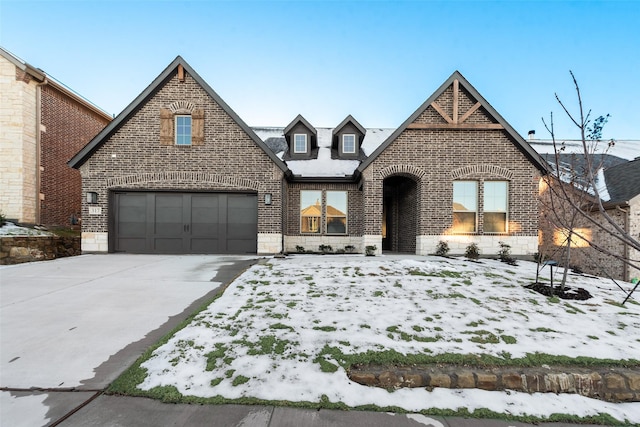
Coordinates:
column 325, row 248
column 442, row 249
column 299, row 249
column 350, row 248
column 472, row 251
column 505, row 254
column 370, row 250
column 3, row 219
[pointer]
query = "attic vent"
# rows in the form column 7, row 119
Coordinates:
column 182, row 107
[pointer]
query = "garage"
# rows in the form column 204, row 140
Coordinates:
column 185, row 223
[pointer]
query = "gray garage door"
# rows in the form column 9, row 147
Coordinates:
column 185, row 223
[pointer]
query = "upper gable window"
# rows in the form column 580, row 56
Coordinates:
column 300, row 143
column 183, row 130
column 349, row 143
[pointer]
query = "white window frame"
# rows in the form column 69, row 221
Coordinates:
column 345, row 216
column 454, row 211
column 505, row 211
column 295, row 143
column 177, row 132
column 344, row 143
column 313, row 224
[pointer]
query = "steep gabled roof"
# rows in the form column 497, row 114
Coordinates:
column 457, row 79
column 300, row 119
column 83, row 155
column 354, row 122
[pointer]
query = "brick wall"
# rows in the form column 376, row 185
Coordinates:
column 68, row 126
column 604, row 262
column 434, row 158
column 355, row 212
column 228, row 160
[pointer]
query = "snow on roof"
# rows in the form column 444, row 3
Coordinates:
column 625, row 148
column 323, row 166
column 607, row 157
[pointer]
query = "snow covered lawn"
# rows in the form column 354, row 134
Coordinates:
column 267, row 336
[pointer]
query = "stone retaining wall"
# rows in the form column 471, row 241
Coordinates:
column 15, row 250
column 609, row 384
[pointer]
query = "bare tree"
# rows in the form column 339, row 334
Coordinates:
column 574, row 194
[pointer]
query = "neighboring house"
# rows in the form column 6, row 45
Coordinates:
column 595, row 250
column 179, row 172
column 42, row 125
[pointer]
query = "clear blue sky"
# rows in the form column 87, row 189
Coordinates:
column 375, row 60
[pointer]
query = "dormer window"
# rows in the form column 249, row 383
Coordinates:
column 346, row 140
column 183, row 130
column 300, row 143
column 302, row 140
column 349, row 143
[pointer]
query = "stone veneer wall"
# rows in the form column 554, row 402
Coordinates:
column 18, row 145
column 15, row 250
column 132, row 158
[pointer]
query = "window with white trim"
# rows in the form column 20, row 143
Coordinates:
column 300, row 143
column 349, row 143
column 183, row 130
column 336, row 212
column 465, row 206
column 496, row 195
column 310, row 211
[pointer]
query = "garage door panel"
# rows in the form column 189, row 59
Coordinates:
column 203, row 245
column 132, row 245
column 186, row 222
column 169, row 215
column 168, row 246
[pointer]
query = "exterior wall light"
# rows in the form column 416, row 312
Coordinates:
column 92, row 197
column 267, row 199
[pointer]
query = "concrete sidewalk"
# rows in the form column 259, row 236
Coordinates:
column 69, row 327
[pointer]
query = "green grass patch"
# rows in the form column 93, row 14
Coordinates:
column 240, row 379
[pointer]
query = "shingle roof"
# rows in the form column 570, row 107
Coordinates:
column 325, row 164
column 623, row 181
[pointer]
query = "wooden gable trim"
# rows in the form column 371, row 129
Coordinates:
column 500, row 123
column 455, row 126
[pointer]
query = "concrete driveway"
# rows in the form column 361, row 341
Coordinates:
column 74, row 324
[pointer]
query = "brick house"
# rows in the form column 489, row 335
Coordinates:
column 179, row 172
column 43, row 124
column 595, row 250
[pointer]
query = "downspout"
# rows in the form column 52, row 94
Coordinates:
column 39, row 145
column 627, row 230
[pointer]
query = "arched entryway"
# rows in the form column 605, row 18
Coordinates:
column 400, row 214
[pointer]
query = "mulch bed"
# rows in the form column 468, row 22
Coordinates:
column 568, row 293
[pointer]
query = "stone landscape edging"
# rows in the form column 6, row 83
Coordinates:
column 611, row 384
